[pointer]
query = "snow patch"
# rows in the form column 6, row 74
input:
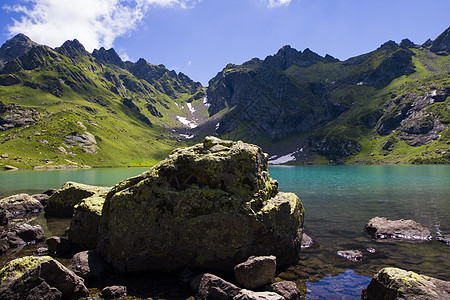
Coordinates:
column 205, row 101
column 186, row 122
column 191, row 109
column 217, row 125
column 283, row 159
column 187, row 136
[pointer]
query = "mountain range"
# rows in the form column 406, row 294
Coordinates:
column 66, row 107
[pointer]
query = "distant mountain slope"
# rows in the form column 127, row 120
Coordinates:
column 67, row 107
column 387, row 106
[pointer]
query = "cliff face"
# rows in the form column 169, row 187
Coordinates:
column 295, row 100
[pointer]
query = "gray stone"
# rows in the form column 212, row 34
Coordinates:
column 353, row 255
column 208, row 286
column 383, row 228
column 250, row 295
column 87, row 264
column 256, row 272
column 114, row 292
column 287, row 289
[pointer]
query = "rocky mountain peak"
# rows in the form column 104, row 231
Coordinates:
column 15, row 47
column 72, row 49
column 389, row 45
column 406, row 43
column 108, row 56
column 288, row 56
column 442, row 43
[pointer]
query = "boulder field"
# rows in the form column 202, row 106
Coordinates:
column 211, row 206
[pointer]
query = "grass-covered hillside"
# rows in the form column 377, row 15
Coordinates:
column 65, row 107
column 387, row 106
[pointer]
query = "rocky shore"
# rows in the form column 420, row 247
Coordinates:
column 208, row 222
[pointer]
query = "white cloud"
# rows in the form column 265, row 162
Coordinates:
column 278, row 3
column 95, row 23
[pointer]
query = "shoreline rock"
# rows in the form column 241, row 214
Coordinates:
column 394, row 283
column 211, row 205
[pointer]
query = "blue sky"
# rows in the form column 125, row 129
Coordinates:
column 199, row 37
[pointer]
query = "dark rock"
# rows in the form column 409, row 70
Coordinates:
column 85, row 222
column 114, row 292
column 7, row 80
column 29, row 234
column 3, row 216
column 61, row 203
column 442, row 43
column 108, row 56
column 382, row 228
column 394, row 283
column 72, row 49
column 59, row 247
column 208, row 286
column 443, row 239
column 353, row 255
column 21, row 204
column 87, row 264
column 256, row 272
column 287, row 289
column 29, row 277
column 15, row 47
column 41, row 198
column 152, row 109
column 184, row 212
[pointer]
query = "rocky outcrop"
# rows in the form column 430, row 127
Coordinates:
column 7, row 80
column 85, row 222
column 19, row 236
column 409, row 114
column 16, row 116
column 256, row 272
column 14, row 48
column 442, row 43
column 62, row 202
column 20, row 204
column 108, row 56
column 394, row 283
column 39, row 278
column 383, row 228
column 186, row 210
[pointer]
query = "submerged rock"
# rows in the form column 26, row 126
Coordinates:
column 382, row 228
column 394, row 283
column 256, row 272
column 20, row 235
column 62, row 202
column 39, row 278
column 210, row 205
column 353, row 255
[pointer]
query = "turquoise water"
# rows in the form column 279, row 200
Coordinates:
column 339, row 200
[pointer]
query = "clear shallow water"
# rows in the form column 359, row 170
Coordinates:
column 339, row 200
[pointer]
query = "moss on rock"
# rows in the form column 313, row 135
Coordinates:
column 209, row 205
column 62, row 202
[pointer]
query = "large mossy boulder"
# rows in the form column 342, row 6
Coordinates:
column 62, row 202
column 211, row 205
column 84, row 225
column 42, row 277
column 394, row 283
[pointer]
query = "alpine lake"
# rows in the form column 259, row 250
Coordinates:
column 338, row 200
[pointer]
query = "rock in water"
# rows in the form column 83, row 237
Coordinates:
column 62, row 202
column 382, row 228
column 210, row 205
column 394, row 283
column 39, row 278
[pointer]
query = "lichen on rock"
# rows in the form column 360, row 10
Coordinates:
column 62, row 202
column 209, row 205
